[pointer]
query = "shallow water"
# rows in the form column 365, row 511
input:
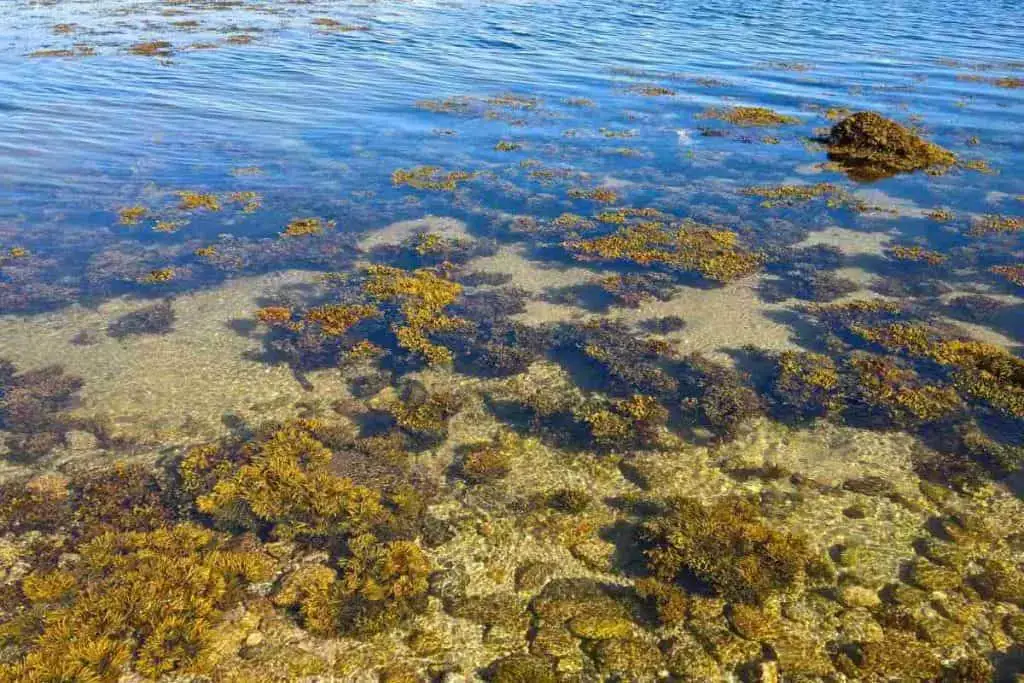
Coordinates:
column 310, row 108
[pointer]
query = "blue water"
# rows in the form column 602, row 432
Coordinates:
column 328, row 115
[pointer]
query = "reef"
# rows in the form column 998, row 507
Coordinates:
column 870, row 146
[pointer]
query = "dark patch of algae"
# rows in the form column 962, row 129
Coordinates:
column 370, row 543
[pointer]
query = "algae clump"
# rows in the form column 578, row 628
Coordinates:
column 870, row 146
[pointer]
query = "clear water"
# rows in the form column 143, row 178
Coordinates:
column 271, row 97
column 329, row 115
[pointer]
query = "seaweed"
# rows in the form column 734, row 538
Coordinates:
column 282, row 484
column 152, row 48
column 422, row 296
column 665, row 324
column 156, row 318
column 795, row 195
column 715, row 254
column 192, row 201
column 635, row 422
column 807, row 384
column 1014, row 274
column 302, row 227
column 629, row 364
column 917, row 254
column 721, row 396
column 869, row 147
column 430, row 178
column 806, row 283
column 33, row 408
column 749, row 116
column 131, row 215
column 146, row 601
column 422, row 414
column 996, row 224
column 728, row 546
column 490, row 461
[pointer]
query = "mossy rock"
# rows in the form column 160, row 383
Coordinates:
column 495, row 609
column 626, row 656
column 687, row 660
column 932, row 577
column 870, row 146
column 533, row 575
column 565, row 599
column 600, row 627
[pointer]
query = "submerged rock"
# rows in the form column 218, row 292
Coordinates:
column 871, row 146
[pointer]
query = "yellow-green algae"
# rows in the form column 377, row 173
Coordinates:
column 871, row 146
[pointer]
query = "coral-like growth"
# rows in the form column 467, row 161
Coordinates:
column 870, row 146
column 423, row 295
column 713, row 253
column 728, row 546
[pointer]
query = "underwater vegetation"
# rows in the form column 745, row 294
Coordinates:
column 156, row 318
column 713, row 253
column 995, row 224
column 33, row 408
column 430, row 178
column 749, row 116
column 421, row 297
column 870, row 146
column 728, row 546
column 525, row 472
